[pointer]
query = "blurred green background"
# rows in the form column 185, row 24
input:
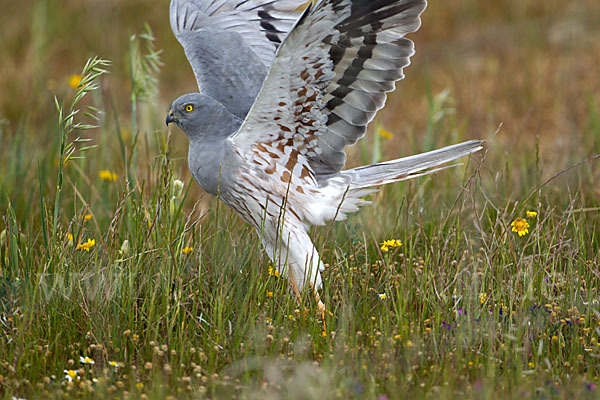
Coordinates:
column 531, row 65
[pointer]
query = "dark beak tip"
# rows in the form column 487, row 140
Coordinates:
column 170, row 118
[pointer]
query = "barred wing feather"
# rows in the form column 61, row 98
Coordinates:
column 330, row 77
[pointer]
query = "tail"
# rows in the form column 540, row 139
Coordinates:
column 408, row 167
column 344, row 193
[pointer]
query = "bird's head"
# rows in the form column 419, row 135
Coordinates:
column 201, row 116
column 187, row 112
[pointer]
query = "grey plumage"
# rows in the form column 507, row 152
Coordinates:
column 328, row 79
column 231, row 44
column 207, row 125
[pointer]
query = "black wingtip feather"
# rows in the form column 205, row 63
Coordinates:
column 305, row 14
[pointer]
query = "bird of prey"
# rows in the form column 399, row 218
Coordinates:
column 281, row 95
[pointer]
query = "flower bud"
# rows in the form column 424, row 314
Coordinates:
column 124, row 248
column 177, row 188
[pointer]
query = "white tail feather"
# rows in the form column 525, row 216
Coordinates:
column 343, row 193
column 409, row 167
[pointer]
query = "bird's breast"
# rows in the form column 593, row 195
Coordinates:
column 211, row 165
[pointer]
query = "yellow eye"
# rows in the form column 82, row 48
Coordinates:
column 189, row 108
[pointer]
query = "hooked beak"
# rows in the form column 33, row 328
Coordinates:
column 170, row 117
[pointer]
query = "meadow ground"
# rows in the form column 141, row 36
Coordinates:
column 116, row 283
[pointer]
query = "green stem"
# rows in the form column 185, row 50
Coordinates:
column 62, row 131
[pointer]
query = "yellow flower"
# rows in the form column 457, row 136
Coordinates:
column 387, row 244
column 385, row 133
column 106, row 175
column 409, row 344
column 382, row 296
column 87, row 246
column 74, row 81
column 273, row 272
column 87, row 217
column 70, row 239
column 269, row 294
column 531, row 365
column 482, row 297
column 187, row 250
column 520, row 226
column 114, row 364
column 139, row 385
column 531, row 214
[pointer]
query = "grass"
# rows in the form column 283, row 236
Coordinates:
column 472, row 309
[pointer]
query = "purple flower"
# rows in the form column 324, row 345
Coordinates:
column 590, row 386
column 358, row 388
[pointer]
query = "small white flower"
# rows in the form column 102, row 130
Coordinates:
column 114, row 364
column 383, row 296
column 86, row 360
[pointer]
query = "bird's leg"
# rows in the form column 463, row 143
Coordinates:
column 296, row 291
column 321, row 307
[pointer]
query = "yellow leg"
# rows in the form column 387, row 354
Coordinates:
column 320, row 305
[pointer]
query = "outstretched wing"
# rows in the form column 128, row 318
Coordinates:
column 231, row 44
column 329, row 79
